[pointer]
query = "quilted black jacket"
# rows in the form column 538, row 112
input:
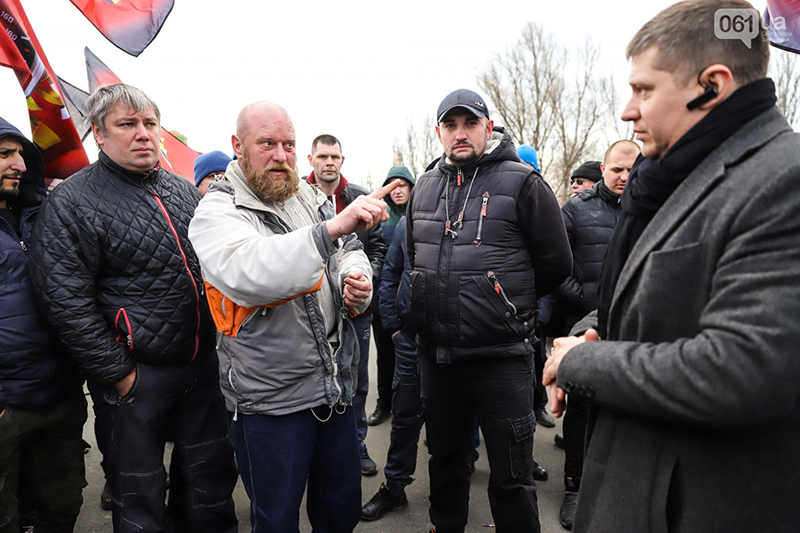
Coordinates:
column 474, row 287
column 115, row 272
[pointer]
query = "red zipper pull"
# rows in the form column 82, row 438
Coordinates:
column 493, row 279
column 459, row 178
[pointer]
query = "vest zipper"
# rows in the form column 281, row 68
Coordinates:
column 484, row 204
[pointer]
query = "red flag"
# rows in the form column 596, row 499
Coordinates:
column 131, row 25
column 98, row 72
column 174, row 155
column 53, row 130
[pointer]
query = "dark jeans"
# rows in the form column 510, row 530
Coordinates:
column 401, row 461
column 361, row 325
column 277, row 455
column 385, row 361
column 182, row 402
column 51, row 440
column 499, row 391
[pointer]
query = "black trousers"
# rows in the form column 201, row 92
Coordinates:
column 48, row 447
column 182, row 402
column 499, row 392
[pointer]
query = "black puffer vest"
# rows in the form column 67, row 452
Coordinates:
column 474, row 284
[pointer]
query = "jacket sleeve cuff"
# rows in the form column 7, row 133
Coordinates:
column 326, row 246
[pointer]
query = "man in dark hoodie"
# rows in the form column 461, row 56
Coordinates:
column 396, row 202
column 484, row 237
column 42, row 407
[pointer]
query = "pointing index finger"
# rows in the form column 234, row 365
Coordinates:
column 386, row 189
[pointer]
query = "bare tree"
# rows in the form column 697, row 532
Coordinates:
column 419, row 147
column 561, row 116
column 784, row 72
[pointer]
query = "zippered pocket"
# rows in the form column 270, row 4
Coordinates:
column 499, row 290
column 485, row 315
column 127, row 335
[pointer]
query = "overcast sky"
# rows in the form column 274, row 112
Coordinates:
column 355, row 69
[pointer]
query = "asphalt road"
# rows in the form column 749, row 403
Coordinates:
column 414, row 518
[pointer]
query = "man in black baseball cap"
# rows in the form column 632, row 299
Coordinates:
column 484, row 236
column 463, row 98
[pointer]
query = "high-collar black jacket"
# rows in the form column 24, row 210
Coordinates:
column 590, row 218
column 115, row 272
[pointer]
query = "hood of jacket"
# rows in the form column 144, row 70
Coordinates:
column 395, row 211
column 31, row 186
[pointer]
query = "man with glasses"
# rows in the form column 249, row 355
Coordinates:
column 585, row 176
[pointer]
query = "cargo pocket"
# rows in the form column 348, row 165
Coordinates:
column 521, row 446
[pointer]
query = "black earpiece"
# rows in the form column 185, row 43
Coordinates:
column 709, row 94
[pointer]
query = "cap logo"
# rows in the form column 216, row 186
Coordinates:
column 479, row 104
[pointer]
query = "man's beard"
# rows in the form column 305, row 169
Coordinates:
column 11, row 193
column 463, row 159
column 262, row 184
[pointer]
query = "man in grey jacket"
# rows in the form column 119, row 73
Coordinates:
column 695, row 416
column 283, row 277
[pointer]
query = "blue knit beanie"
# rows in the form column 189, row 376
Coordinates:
column 205, row 164
column 528, row 154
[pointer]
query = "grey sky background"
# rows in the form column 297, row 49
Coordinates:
column 355, row 69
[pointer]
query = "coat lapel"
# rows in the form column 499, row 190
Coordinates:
column 693, row 190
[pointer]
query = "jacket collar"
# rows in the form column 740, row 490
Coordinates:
column 133, row 176
column 697, row 186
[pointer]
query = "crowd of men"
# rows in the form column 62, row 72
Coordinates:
column 233, row 317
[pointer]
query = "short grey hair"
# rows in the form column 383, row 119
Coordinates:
column 103, row 100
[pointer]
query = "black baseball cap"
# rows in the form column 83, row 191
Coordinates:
column 465, row 98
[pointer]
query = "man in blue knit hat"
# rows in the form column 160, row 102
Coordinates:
column 208, row 168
